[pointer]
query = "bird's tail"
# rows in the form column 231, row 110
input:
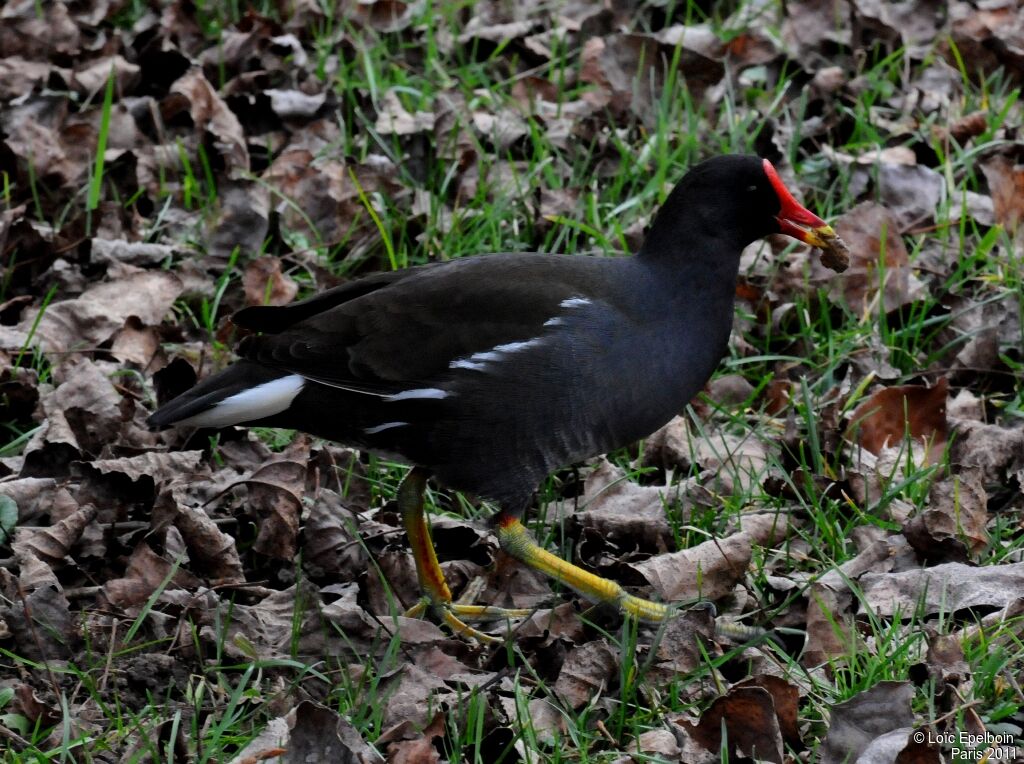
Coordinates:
column 243, row 392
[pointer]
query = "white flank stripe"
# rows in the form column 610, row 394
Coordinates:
column 382, row 427
column 423, row 392
column 575, row 302
column 466, row 363
column 479, row 361
column 515, row 347
column 255, row 403
column 556, row 321
column 485, row 356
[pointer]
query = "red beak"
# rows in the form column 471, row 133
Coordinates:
column 794, row 219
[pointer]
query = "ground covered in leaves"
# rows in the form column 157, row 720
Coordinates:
column 852, row 477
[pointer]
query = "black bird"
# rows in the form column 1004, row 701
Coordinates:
column 491, row 372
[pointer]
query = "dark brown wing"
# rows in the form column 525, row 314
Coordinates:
column 389, row 332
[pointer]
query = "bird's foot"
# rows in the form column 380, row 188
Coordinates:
column 436, row 594
column 455, row 614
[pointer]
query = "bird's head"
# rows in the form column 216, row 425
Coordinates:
column 740, row 199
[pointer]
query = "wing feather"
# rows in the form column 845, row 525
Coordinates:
column 405, row 329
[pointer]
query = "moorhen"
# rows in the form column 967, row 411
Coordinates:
column 491, row 372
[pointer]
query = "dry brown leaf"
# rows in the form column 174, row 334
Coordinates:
column 161, row 466
column 588, row 671
column 38, row 605
column 82, row 417
column 174, row 738
column 867, row 281
column 739, row 463
column 623, row 512
column 33, row 496
column 136, row 343
column 528, row 91
column 478, row 29
column 952, row 526
column 1006, row 184
column 34, row 574
column 657, row 742
column 145, row 573
column 545, row 719
column 418, row 748
column 945, row 660
column 502, row 179
column 411, row 694
column 148, row 566
column 994, row 449
column 873, row 157
column 809, row 25
column 89, row 79
column 392, row 578
column 415, row 631
column 616, row 63
column 39, row 31
column 913, row 24
column 52, row 544
column 93, row 316
column 242, row 220
column 988, row 36
column 777, row 396
column 730, row 390
column 752, row 47
column 685, row 643
column 394, row 119
column 501, row 129
column 964, row 128
column 266, row 284
column 710, row 570
column 385, row 15
column 913, row 411
column 434, row 660
column 288, row 622
column 143, row 254
column 419, row 751
column 829, row 626
column 870, row 479
column 942, row 589
column 865, row 718
column 209, row 113
column 309, row 732
column 745, row 716
column 320, row 199
column 39, row 129
column 670, row 446
column 213, row 553
column 19, row 76
column 275, row 495
column 912, row 193
column 785, row 701
column 561, row 622
column 978, row 333
column 295, row 104
column 33, row 708
column 330, row 548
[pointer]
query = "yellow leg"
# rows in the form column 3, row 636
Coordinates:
column 516, row 541
column 436, row 593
